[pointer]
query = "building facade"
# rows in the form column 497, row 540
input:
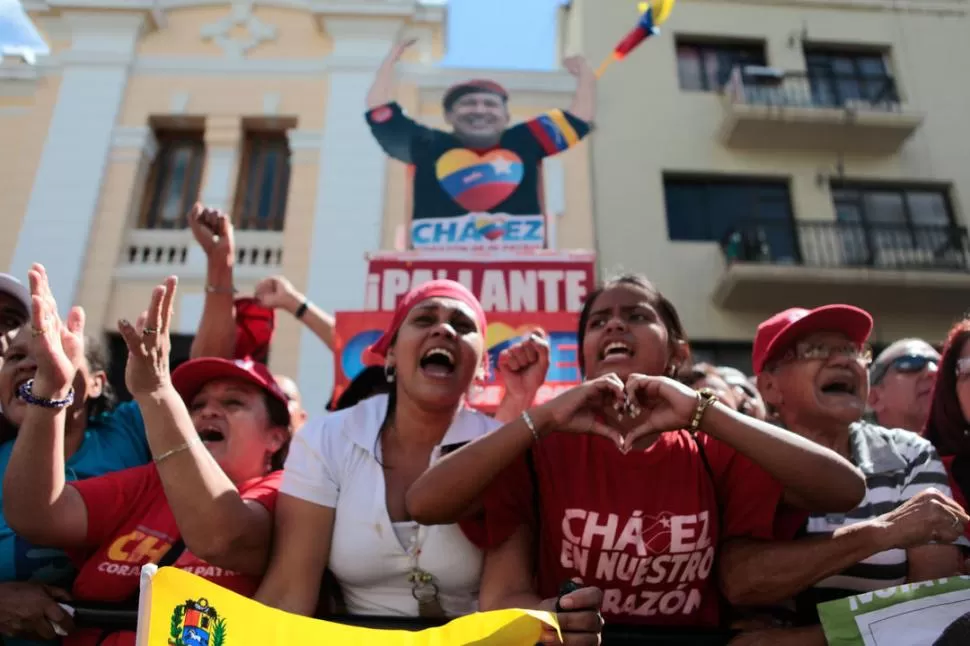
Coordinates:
column 762, row 155
column 253, row 106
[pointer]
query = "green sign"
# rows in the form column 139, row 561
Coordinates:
column 930, row 613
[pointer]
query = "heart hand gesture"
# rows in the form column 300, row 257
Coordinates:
column 57, row 346
column 582, row 409
column 149, row 345
column 665, row 405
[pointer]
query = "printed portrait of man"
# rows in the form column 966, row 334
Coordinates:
column 484, row 170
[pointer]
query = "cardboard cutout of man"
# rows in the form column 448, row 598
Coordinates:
column 483, row 166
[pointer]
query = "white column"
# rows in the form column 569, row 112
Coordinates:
column 67, row 187
column 223, row 136
column 554, row 191
column 349, row 210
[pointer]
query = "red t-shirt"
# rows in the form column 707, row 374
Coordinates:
column 643, row 527
column 130, row 524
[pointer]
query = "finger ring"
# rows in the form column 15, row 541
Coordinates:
column 149, row 330
column 956, row 522
column 38, row 331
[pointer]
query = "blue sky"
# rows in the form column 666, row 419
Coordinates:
column 516, row 34
column 513, row 34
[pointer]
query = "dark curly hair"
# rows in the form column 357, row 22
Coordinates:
column 665, row 309
column 97, row 358
column 279, row 415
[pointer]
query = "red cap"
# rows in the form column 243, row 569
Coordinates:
column 781, row 330
column 254, row 329
column 458, row 90
column 190, row 377
column 431, row 289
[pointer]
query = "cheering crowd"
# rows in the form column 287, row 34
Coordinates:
column 656, row 493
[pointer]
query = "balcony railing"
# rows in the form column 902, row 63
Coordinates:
column 845, row 245
column 159, row 252
column 803, row 90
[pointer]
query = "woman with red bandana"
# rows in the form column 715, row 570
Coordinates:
column 949, row 418
column 218, row 431
column 627, row 482
column 342, row 497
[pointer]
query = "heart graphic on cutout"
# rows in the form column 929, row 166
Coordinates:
column 479, row 182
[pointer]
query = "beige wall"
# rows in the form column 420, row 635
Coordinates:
column 175, row 72
column 648, row 126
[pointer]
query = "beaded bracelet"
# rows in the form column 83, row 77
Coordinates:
column 705, row 397
column 26, row 393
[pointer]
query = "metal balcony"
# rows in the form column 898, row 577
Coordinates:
column 797, row 111
column 887, row 267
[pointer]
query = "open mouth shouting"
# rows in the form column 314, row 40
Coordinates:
column 211, row 435
column 615, row 351
column 840, row 385
column 438, row 363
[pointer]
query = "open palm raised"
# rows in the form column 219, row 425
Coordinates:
column 57, row 346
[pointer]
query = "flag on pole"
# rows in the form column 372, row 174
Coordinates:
column 652, row 15
column 176, row 608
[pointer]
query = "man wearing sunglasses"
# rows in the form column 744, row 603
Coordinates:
column 901, row 384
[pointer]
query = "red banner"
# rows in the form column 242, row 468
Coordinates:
column 541, row 282
column 355, row 331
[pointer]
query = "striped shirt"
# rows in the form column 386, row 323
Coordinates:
column 897, row 465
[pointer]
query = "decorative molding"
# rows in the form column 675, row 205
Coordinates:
column 240, row 15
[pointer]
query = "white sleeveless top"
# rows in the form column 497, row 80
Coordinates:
column 332, row 462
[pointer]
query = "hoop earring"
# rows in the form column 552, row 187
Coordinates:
column 389, row 373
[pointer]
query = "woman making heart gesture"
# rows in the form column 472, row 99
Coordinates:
column 629, row 481
column 218, row 431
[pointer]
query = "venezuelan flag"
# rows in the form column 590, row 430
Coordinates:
column 176, row 607
column 553, row 131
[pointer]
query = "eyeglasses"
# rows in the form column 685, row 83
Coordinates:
column 819, row 352
column 906, row 364
column 963, row 367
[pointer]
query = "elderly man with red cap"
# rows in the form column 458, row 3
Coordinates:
column 811, row 367
column 483, row 167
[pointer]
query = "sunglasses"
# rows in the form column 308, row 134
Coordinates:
column 906, row 364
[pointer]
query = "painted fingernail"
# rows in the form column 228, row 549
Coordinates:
column 125, row 322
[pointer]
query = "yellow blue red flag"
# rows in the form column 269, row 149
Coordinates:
column 180, row 609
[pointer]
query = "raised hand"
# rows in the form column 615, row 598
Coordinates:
column 583, row 408
column 663, row 404
column 57, row 347
column 523, row 367
column 213, row 231
column 398, row 49
column 577, row 66
column 277, row 292
column 149, row 345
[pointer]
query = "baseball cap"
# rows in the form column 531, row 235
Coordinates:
column 192, row 376
column 13, row 287
column 459, row 90
column 781, row 330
